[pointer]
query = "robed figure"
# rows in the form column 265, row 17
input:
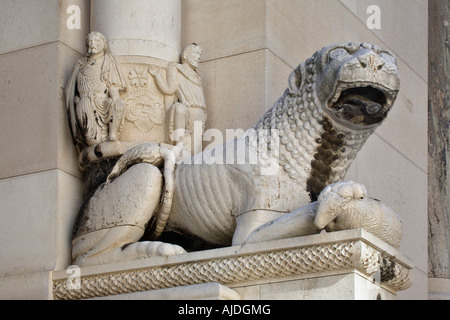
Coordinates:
column 93, row 101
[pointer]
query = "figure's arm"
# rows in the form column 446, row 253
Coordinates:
column 169, row 87
column 117, row 102
column 114, row 93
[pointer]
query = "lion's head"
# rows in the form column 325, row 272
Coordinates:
column 357, row 83
column 335, row 100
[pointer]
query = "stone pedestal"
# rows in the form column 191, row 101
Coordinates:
column 251, row 47
column 438, row 289
column 349, row 264
column 206, row 291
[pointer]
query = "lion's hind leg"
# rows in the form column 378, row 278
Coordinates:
column 118, row 244
column 115, row 218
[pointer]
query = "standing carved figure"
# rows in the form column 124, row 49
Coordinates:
column 184, row 80
column 93, row 95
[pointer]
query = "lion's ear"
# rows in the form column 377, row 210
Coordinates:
column 295, row 80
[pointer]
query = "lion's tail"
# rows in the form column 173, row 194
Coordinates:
column 156, row 155
column 144, row 153
column 167, row 196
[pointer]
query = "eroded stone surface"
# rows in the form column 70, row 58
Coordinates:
column 306, row 142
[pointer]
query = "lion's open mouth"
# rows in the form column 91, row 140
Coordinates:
column 361, row 106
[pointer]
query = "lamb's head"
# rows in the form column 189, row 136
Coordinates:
column 356, row 84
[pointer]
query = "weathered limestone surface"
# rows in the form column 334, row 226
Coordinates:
column 277, row 35
column 439, row 139
column 253, row 269
column 205, row 291
column 148, row 28
column 256, row 40
column 40, row 183
column 289, row 183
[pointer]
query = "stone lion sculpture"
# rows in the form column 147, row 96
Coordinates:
column 334, row 102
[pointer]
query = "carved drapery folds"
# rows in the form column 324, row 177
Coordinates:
column 114, row 104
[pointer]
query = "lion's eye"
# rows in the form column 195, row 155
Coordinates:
column 338, row 54
column 387, row 57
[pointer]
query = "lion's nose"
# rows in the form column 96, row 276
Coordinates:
column 372, row 61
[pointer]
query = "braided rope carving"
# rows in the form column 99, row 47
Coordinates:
column 240, row 269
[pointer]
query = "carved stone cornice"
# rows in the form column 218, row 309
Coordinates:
column 309, row 256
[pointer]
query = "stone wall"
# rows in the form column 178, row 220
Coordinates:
column 40, row 183
column 250, row 47
column 438, row 152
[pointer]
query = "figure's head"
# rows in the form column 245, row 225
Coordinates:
column 192, row 55
column 96, row 43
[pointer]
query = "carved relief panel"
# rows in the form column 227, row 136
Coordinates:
column 146, row 118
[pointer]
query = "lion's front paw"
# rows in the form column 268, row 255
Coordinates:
column 156, row 248
column 333, row 200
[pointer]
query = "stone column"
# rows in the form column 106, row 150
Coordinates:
column 141, row 33
column 149, row 28
column 438, row 151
